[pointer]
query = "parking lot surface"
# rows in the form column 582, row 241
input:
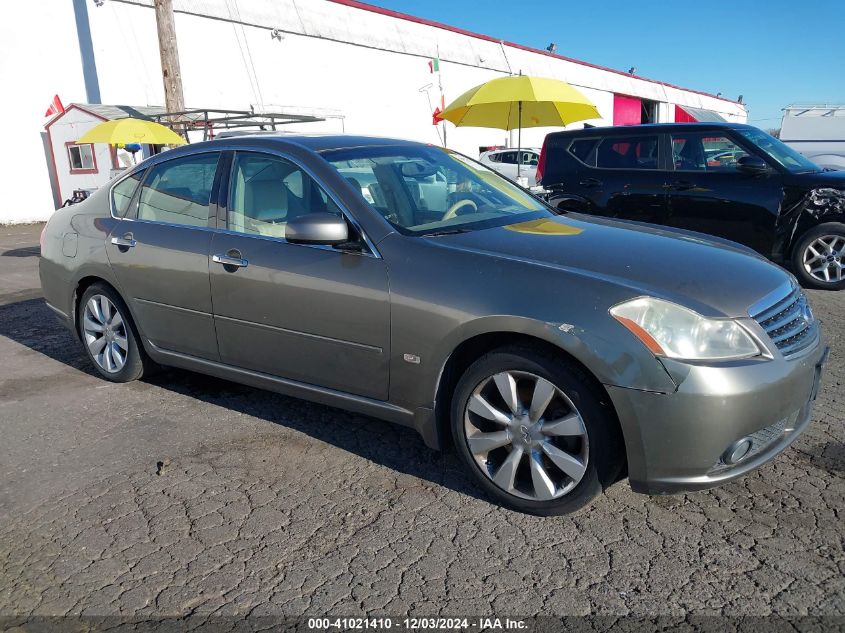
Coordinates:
column 184, row 494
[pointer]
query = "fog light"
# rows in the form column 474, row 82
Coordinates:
column 736, row 451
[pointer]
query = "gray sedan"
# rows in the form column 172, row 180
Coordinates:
column 555, row 352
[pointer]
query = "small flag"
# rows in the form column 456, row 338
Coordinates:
column 56, row 107
column 435, row 116
column 434, row 65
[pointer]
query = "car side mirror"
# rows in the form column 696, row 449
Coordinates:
column 317, row 228
column 752, row 165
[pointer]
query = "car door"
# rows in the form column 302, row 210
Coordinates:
column 708, row 193
column 314, row 314
column 622, row 176
column 159, row 254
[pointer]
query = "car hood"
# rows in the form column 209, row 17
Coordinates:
column 714, row 278
column 833, row 179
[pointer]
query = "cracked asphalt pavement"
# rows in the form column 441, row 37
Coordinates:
column 184, row 494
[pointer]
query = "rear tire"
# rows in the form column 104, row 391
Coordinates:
column 535, row 432
column 818, row 258
column 109, row 335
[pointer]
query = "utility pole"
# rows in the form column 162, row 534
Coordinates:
column 174, row 100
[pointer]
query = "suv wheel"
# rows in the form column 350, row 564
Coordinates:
column 535, row 432
column 819, row 257
column 109, row 336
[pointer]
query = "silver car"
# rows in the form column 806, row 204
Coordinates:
column 556, row 352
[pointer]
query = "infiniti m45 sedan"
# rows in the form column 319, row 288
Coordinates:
column 556, row 352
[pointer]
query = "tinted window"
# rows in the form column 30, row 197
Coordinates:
column 582, row 149
column 705, row 151
column 267, row 191
column 123, row 192
column 494, row 158
column 628, row 152
column 178, row 191
column 508, row 157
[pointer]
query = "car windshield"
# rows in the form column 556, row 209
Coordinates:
column 779, row 151
column 424, row 190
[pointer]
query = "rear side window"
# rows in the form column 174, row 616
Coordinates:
column 123, row 191
column 582, row 149
column 179, row 191
column 628, row 152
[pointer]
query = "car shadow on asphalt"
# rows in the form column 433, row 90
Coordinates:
column 31, row 323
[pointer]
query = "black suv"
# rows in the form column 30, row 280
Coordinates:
column 729, row 180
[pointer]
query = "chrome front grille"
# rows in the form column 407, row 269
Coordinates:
column 789, row 323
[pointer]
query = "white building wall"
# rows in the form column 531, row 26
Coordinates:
column 367, row 66
column 38, row 59
column 69, row 128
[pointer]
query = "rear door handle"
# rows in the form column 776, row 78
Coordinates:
column 126, row 241
column 229, row 260
column 591, row 182
column 683, row 185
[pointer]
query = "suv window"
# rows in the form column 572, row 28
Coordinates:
column 529, row 158
column 628, row 152
column 705, row 151
column 582, row 149
column 178, row 191
column 266, row 191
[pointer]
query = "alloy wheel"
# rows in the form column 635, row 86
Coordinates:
column 526, row 435
column 824, row 258
column 105, row 334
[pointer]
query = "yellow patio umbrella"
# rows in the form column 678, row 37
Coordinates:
column 519, row 101
column 131, row 130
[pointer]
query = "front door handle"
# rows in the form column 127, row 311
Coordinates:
column 683, row 185
column 591, row 182
column 231, row 258
column 127, row 241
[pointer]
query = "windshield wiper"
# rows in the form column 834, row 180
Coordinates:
column 445, row 232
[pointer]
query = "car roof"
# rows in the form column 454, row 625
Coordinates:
column 653, row 128
column 313, row 142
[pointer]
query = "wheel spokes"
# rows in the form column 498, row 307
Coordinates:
column 483, row 443
column 507, row 388
column 96, row 345
column 544, row 391
column 506, row 474
column 569, row 425
column 480, row 406
column 568, row 464
column 544, row 487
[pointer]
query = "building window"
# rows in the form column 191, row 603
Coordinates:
column 81, row 158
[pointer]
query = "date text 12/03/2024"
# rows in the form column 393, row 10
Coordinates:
column 416, row 624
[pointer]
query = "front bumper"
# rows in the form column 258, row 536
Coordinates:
column 675, row 442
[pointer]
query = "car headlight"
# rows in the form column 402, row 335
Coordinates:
column 668, row 329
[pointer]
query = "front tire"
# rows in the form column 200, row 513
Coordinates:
column 535, row 432
column 819, row 257
column 109, row 336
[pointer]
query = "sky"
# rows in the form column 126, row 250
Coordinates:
column 772, row 52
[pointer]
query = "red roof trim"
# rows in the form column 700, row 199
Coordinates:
column 355, row 4
column 73, row 106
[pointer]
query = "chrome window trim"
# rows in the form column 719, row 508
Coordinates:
column 155, row 161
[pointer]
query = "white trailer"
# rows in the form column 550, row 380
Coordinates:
column 817, row 131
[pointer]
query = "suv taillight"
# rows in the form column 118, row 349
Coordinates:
column 541, row 164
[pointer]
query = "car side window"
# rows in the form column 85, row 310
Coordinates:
column 705, row 151
column 628, row 152
column 582, row 149
column 266, row 191
column 508, row 158
column 123, row 192
column 529, row 158
column 179, row 191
